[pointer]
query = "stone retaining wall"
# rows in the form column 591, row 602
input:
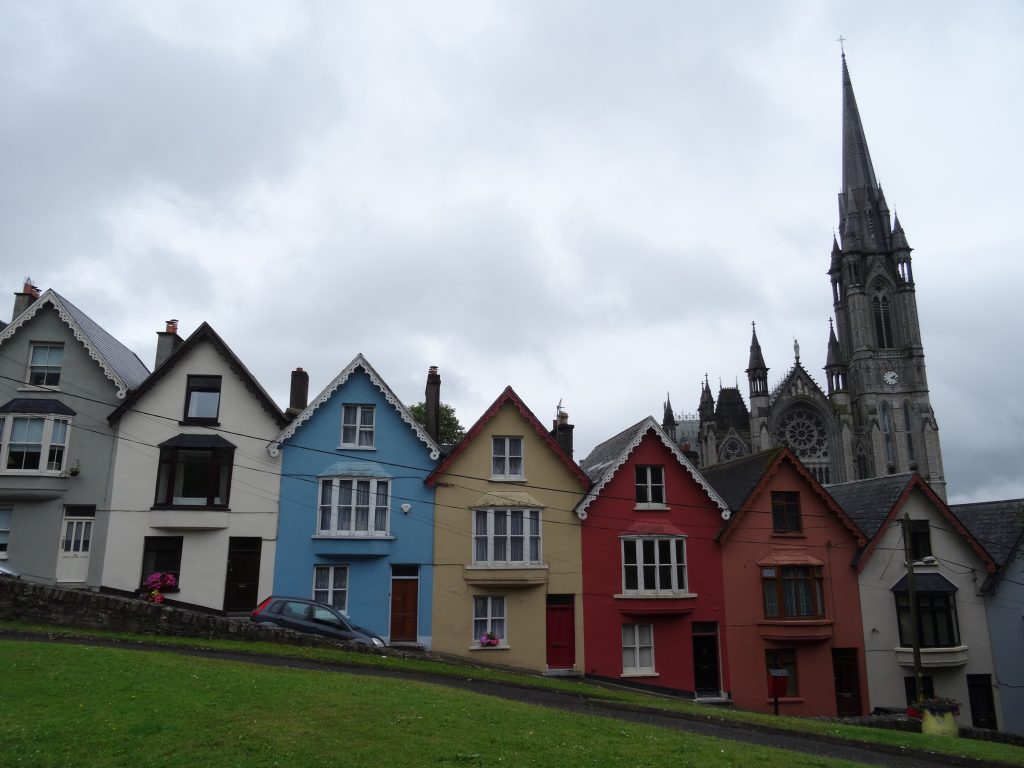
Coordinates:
column 57, row 606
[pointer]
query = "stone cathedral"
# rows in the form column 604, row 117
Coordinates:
column 875, row 417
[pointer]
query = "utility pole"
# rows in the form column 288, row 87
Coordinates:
column 912, row 596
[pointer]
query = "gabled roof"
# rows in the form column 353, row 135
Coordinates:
column 508, row 396
column 805, row 382
column 998, row 526
column 203, row 333
column 118, row 363
column 358, row 363
column 740, row 480
column 608, row 457
column 878, row 501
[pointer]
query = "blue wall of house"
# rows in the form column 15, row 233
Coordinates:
column 1006, row 630
column 313, row 452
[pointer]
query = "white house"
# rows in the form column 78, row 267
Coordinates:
column 194, row 491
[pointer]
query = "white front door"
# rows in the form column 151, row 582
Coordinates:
column 73, row 554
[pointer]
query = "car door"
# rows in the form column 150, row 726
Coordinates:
column 324, row 621
column 294, row 614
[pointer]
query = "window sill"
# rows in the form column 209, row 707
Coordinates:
column 353, row 536
column 199, row 423
column 191, row 508
column 498, row 647
column 514, row 479
column 507, row 566
column 344, row 447
column 36, row 388
column 33, row 472
column 789, row 535
column 932, row 658
column 786, row 700
column 640, row 674
column 655, row 596
column 809, row 629
column 650, row 506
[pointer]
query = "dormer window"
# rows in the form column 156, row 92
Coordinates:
column 44, row 364
column 202, row 400
column 357, row 426
column 650, row 486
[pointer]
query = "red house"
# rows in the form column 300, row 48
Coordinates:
column 794, row 599
column 652, row 577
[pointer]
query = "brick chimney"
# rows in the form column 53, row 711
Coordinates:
column 23, row 300
column 167, row 341
column 298, row 398
column 432, row 403
column 561, row 430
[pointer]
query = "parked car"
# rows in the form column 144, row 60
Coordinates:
column 304, row 615
column 8, row 572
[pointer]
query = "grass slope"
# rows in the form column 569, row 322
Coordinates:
column 86, row 706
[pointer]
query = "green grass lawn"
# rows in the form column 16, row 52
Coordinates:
column 66, row 705
column 978, row 750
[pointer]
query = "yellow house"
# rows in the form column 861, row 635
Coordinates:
column 507, row 559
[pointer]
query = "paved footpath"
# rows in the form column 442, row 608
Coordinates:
column 824, row 746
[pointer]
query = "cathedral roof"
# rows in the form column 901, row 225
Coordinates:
column 731, row 411
column 798, row 382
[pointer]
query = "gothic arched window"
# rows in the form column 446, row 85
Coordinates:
column 803, row 431
column 882, row 314
column 863, row 469
column 732, row 449
column 888, row 435
column 908, row 427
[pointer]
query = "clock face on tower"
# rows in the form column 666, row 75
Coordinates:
column 891, row 378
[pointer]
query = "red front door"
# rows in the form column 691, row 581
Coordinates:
column 404, row 609
column 561, row 629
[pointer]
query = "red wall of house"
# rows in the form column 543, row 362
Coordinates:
column 612, row 514
column 750, row 540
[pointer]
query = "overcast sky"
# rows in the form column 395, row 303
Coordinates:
column 590, row 201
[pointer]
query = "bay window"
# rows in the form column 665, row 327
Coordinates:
column 36, row 440
column 792, row 592
column 354, row 507
column 654, row 565
column 194, row 471
column 509, row 537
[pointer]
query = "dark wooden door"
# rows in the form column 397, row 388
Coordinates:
column 706, row 678
column 847, row 681
column 983, row 705
column 404, row 609
column 561, row 634
column 241, row 589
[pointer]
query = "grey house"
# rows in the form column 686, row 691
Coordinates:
column 998, row 526
column 60, row 376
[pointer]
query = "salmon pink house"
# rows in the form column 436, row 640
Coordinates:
column 653, row 590
column 794, row 597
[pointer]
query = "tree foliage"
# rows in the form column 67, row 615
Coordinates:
column 451, row 431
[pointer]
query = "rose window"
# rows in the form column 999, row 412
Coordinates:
column 803, row 431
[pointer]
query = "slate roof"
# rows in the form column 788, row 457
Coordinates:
column 735, row 480
column 997, row 525
column 119, row 364
column 204, row 331
column 604, row 455
column 869, row 502
column 605, row 460
column 36, row 405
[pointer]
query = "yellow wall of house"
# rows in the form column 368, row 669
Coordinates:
column 465, row 486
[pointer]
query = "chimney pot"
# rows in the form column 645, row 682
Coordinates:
column 172, row 326
column 432, row 404
column 299, row 396
column 562, row 432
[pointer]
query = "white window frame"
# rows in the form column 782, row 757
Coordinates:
column 55, row 435
column 648, row 486
column 662, row 571
column 503, row 457
column 333, row 586
column 495, row 532
column 632, row 643
column 343, row 519
column 45, row 366
column 6, row 520
column 490, row 614
column 358, row 428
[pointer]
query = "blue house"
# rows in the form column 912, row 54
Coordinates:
column 356, row 520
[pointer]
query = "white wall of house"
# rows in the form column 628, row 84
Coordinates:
column 253, row 498
column 948, row 667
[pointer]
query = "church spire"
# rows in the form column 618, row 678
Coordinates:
column 757, row 371
column 858, row 172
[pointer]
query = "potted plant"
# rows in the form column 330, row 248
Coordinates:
column 489, row 640
column 155, row 583
column 938, row 715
